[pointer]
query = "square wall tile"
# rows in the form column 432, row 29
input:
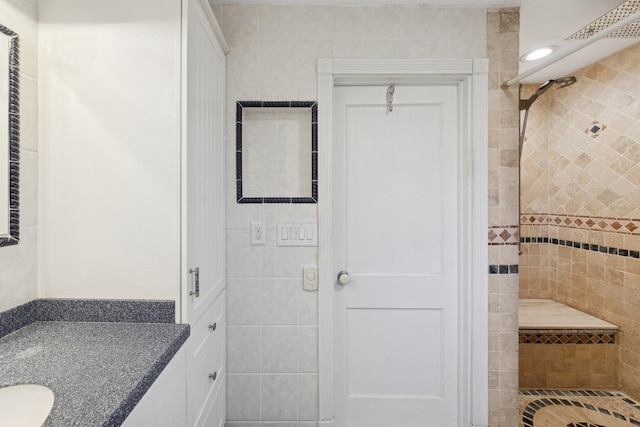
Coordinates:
column 243, row 397
column 308, row 397
column 280, row 349
column 243, row 349
column 280, row 301
column 243, row 301
column 280, row 397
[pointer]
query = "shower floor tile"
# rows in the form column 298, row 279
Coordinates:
column 577, row 408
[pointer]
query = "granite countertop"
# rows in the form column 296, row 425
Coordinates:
column 97, row 371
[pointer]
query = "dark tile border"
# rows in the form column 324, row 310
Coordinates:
column 567, row 337
column 86, row 310
column 314, row 150
column 584, row 246
column 503, row 269
column 531, row 408
column 14, row 140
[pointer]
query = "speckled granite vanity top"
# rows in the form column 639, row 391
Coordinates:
column 98, row 371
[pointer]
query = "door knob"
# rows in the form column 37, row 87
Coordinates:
column 343, row 278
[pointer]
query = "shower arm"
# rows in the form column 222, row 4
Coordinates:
column 574, row 48
column 524, row 128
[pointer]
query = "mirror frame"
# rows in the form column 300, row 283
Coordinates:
column 13, row 237
column 313, row 106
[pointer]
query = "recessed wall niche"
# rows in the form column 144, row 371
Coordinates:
column 277, row 151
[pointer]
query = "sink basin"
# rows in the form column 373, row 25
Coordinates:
column 25, row 405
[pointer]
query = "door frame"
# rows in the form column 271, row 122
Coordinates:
column 471, row 77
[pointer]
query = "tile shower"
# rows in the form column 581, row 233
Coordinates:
column 580, row 210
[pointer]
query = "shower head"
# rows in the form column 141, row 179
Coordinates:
column 525, row 104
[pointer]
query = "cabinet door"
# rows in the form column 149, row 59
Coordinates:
column 203, row 161
column 165, row 403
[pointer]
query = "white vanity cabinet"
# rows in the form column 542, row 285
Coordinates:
column 164, row 404
column 131, row 176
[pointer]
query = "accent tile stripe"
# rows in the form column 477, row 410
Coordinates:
column 585, row 246
column 567, row 338
column 583, row 222
column 503, row 269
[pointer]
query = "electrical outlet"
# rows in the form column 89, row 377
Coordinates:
column 258, row 233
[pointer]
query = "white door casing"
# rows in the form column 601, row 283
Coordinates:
column 469, row 77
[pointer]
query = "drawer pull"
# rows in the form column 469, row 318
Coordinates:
column 213, row 326
column 213, row 376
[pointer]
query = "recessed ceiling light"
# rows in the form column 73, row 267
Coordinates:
column 538, row 53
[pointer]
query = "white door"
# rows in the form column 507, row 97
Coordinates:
column 395, row 207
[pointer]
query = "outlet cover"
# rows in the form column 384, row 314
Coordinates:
column 258, row 233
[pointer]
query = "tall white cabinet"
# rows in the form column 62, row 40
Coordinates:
column 203, row 221
column 131, row 201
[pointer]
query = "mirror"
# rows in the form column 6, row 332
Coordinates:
column 277, row 151
column 9, row 135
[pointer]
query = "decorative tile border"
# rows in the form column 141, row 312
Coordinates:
column 503, row 269
column 86, row 310
column 500, row 235
column 582, row 222
column 13, row 237
column 610, row 250
column 567, row 338
column 531, row 408
column 313, row 106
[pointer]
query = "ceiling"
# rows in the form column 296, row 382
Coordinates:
column 542, row 23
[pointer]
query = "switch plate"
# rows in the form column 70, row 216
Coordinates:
column 310, row 278
column 298, row 233
column 258, row 233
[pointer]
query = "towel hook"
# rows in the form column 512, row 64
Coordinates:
column 390, row 91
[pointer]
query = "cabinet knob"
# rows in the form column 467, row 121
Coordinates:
column 213, row 326
column 213, row 376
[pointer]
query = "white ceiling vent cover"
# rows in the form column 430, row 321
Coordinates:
column 625, row 9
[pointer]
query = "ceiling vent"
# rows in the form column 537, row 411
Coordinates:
column 625, row 9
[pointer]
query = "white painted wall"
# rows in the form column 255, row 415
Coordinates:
column 18, row 263
column 110, row 143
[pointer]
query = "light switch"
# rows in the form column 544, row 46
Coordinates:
column 310, row 282
column 298, row 233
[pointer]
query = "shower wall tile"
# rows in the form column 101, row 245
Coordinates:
column 590, row 193
column 503, row 235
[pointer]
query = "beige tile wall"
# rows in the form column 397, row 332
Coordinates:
column 18, row 263
column 502, row 50
column 593, row 189
column 585, row 366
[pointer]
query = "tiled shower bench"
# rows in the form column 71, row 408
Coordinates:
column 561, row 347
